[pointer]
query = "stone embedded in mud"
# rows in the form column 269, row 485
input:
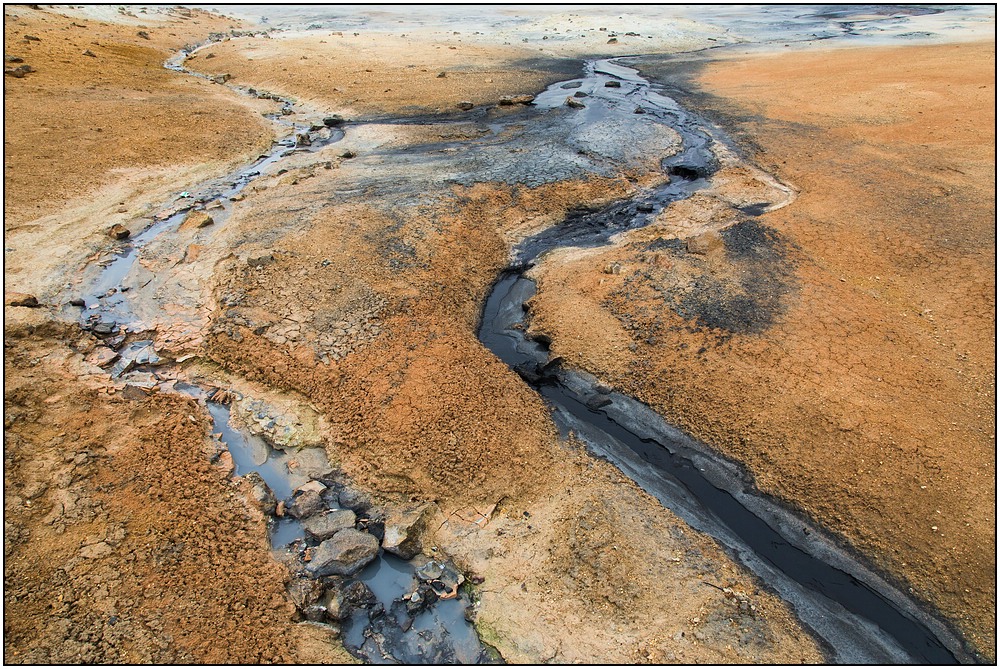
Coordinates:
column 260, row 259
column 21, row 300
column 306, row 504
column 612, row 41
column 351, row 498
column 324, row 526
column 196, row 219
column 465, row 105
column 614, row 83
column 261, row 494
column 19, row 72
column 703, row 244
column 333, row 121
column 574, row 103
column 403, row 531
column 134, row 393
column 222, row 78
column 343, row 554
column 119, row 231
column 613, row 268
column 304, row 592
column 303, row 139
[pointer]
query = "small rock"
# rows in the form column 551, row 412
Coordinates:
column 442, row 75
column 524, row 99
column 97, row 550
column 31, row 38
column 350, row 498
column 133, row 392
column 506, row 101
column 343, row 554
column 102, row 356
column 335, row 604
column 302, row 139
column 20, row 300
column 222, row 78
column 315, row 486
column 465, row 105
column 359, row 595
column 644, row 207
column 704, row 243
column 260, row 259
column 13, row 59
column 90, row 53
column 143, row 34
column 579, row 94
column 639, row 110
column 333, row 121
column 574, row 103
column 19, row 72
column 77, row 302
column 306, row 504
column 347, row 155
column 261, row 494
column 612, row 41
column 324, row 526
column 119, row 231
column 196, row 219
column 614, row 83
column 304, row 592
column 403, row 531
column 613, row 268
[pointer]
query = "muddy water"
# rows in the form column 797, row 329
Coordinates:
column 858, row 616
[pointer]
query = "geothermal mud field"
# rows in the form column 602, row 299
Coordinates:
column 437, row 335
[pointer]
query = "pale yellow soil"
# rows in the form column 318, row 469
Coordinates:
column 867, row 395
column 378, row 73
column 94, row 141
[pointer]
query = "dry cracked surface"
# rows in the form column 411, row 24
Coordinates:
column 350, row 286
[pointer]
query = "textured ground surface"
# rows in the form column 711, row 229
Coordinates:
column 842, row 347
column 122, row 543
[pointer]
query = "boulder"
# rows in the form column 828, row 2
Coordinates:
column 343, row 554
column 404, row 530
column 20, row 300
column 574, row 103
column 118, row 231
column 325, row 525
column 306, row 504
column 196, row 219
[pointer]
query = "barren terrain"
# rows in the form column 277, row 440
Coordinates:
column 841, row 347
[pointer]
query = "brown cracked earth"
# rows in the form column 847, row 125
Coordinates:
column 842, row 347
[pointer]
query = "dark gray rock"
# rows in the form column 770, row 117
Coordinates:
column 304, row 592
column 306, row 504
column 260, row 259
column 343, row 554
column 325, row 525
column 350, row 498
column 465, row 105
column 333, row 121
column 614, row 83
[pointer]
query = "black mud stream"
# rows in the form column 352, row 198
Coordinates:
column 857, row 615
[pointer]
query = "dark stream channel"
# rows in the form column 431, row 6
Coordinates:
column 858, row 617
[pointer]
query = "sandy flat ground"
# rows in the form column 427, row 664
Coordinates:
column 843, row 346
column 367, row 316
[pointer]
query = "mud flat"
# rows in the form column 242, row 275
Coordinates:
column 336, row 293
